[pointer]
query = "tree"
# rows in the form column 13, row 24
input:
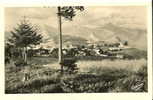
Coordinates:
column 25, row 35
column 126, row 43
column 68, row 12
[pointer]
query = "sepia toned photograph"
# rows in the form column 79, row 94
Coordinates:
column 76, row 49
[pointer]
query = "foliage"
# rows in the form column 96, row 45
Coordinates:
column 25, row 34
column 19, row 63
column 69, row 65
column 7, row 53
column 11, row 53
column 69, row 12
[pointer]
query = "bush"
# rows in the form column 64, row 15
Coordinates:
column 69, row 65
column 132, row 83
column 20, row 63
column 85, row 83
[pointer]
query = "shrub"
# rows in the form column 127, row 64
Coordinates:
column 85, row 83
column 69, row 65
column 20, row 63
column 132, row 83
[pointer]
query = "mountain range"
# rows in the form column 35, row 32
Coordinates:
column 136, row 37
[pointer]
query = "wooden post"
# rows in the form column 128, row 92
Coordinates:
column 60, row 37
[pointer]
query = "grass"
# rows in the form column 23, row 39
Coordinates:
column 42, row 60
column 93, row 77
column 100, row 66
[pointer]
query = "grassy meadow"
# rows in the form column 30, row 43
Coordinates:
column 102, row 76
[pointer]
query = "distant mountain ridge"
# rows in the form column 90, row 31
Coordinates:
column 136, row 37
column 74, row 40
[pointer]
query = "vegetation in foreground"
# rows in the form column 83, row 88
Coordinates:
column 93, row 77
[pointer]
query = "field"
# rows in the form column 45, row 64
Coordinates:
column 102, row 76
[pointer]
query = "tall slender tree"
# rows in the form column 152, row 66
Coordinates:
column 68, row 12
column 25, row 35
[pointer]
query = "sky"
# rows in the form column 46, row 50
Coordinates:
column 85, row 23
column 91, row 17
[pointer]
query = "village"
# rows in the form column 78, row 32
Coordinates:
column 101, row 48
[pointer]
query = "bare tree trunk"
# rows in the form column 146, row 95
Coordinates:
column 24, row 54
column 21, row 53
column 60, row 37
column 22, row 49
